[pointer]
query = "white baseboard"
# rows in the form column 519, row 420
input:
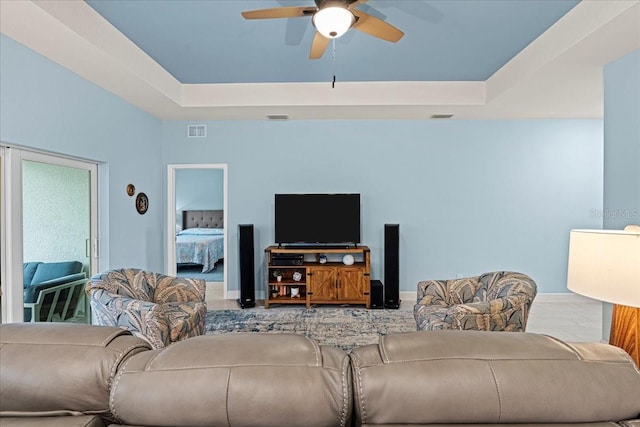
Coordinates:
column 561, row 297
column 409, row 297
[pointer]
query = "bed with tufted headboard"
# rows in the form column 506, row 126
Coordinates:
column 201, row 240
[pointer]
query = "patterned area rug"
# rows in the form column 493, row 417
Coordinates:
column 343, row 327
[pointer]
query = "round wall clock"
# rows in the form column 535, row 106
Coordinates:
column 142, row 203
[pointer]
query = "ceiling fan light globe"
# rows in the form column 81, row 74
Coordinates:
column 334, row 21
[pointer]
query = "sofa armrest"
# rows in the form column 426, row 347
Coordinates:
column 431, row 292
column 475, row 308
column 59, row 304
column 113, row 307
column 512, row 284
column 60, row 368
column 31, row 292
column 145, row 319
column 64, row 279
column 498, row 314
column 493, row 306
column 448, row 292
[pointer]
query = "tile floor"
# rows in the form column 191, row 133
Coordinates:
column 570, row 318
column 578, row 319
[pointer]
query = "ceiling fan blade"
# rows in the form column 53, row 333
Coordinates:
column 357, row 3
column 280, row 12
column 318, row 46
column 376, row 27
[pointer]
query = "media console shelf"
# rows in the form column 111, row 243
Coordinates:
column 330, row 282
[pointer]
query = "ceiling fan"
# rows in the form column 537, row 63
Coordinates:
column 332, row 18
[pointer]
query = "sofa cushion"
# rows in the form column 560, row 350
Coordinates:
column 54, row 421
column 28, row 271
column 452, row 376
column 236, row 379
column 61, row 367
column 53, row 270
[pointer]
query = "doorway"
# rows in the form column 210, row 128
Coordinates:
column 48, row 215
column 197, row 225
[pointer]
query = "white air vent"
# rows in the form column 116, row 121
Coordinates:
column 197, row 131
column 278, row 116
column 441, row 116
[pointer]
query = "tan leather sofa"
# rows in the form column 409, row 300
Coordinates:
column 76, row 375
column 60, row 373
column 82, row 375
column 460, row 377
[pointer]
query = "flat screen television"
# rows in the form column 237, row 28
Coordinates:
column 317, row 218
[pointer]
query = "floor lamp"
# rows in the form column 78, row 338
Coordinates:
column 605, row 265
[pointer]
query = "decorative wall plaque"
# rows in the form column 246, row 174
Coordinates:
column 142, row 203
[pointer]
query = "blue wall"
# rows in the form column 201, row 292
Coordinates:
column 470, row 196
column 621, row 150
column 198, row 189
column 44, row 106
column 622, row 142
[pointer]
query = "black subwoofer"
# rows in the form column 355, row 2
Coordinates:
column 392, row 266
column 246, row 266
column 377, row 294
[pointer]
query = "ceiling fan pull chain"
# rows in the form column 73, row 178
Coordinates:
column 333, row 60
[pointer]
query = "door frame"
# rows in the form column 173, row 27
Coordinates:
column 11, row 225
column 170, row 267
column 11, row 230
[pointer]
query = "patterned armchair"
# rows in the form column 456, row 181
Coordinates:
column 157, row 308
column 497, row 301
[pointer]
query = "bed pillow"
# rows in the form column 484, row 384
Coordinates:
column 202, row 232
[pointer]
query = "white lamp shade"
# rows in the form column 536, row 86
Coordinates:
column 605, row 265
column 333, row 21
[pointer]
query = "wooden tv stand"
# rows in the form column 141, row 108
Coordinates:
column 331, row 282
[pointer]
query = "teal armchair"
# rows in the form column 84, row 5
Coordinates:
column 53, row 292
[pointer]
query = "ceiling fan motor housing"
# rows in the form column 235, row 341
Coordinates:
column 333, row 18
column 336, row 3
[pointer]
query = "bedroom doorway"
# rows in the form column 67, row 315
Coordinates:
column 196, row 224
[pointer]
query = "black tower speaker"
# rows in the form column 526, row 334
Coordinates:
column 392, row 266
column 377, row 294
column 246, row 265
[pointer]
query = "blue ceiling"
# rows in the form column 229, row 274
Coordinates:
column 208, row 41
